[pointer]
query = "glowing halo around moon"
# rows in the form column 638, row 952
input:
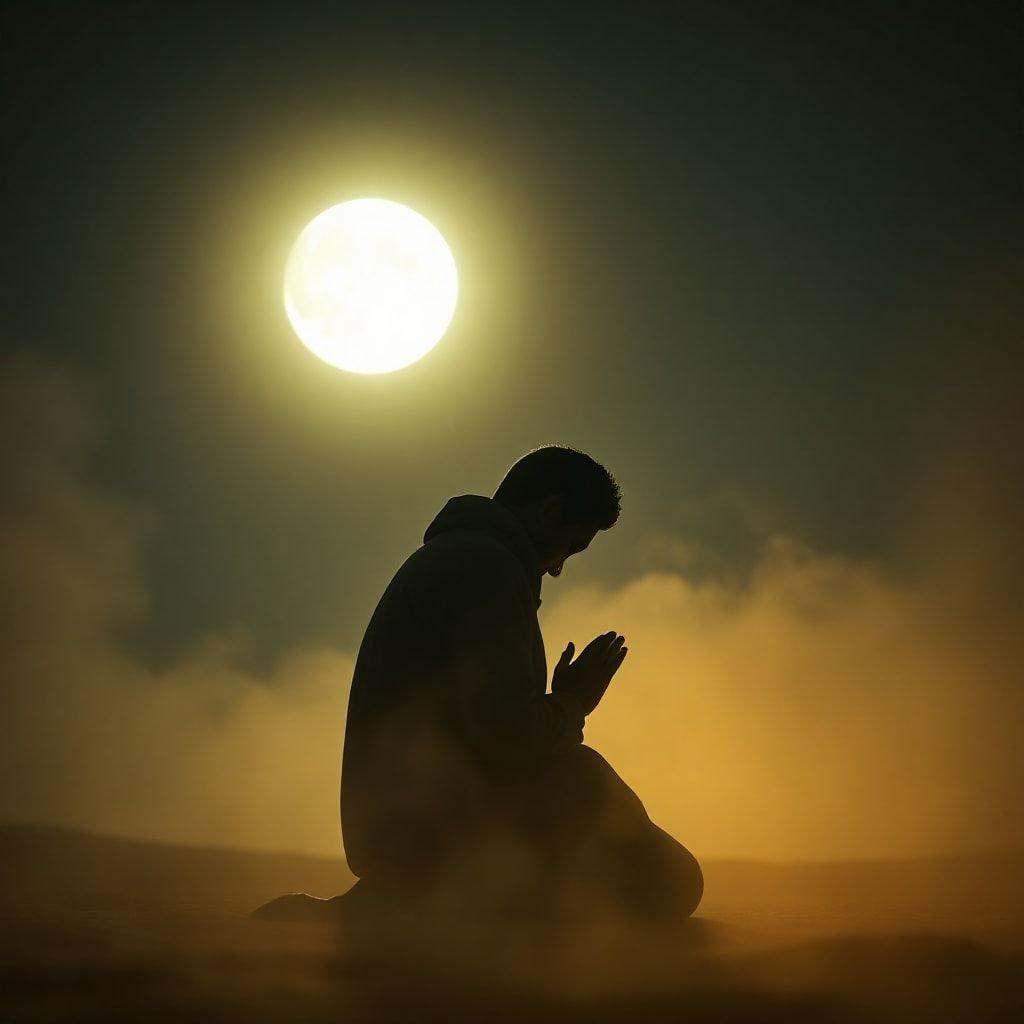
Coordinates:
column 370, row 286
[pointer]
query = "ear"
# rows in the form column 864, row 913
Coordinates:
column 552, row 509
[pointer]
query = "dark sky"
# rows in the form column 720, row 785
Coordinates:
column 710, row 243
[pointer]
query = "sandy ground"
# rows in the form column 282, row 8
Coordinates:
column 101, row 929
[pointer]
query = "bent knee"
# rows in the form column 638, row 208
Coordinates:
column 691, row 889
column 676, row 873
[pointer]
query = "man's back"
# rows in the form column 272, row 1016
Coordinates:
column 448, row 692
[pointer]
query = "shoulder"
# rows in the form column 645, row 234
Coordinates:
column 471, row 563
column 474, row 552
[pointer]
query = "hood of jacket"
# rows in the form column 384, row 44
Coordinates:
column 478, row 512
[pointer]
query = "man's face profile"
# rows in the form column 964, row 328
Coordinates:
column 563, row 538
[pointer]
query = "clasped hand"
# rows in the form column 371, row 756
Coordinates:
column 588, row 676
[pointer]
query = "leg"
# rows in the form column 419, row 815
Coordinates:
column 578, row 793
column 604, row 850
column 655, row 877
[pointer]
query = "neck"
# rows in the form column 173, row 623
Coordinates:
column 527, row 521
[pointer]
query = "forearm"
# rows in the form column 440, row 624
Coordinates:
column 557, row 725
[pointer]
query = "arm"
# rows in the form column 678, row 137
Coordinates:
column 500, row 676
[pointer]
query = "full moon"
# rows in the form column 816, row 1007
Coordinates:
column 370, row 286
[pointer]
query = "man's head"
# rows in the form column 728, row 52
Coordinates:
column 562, row 497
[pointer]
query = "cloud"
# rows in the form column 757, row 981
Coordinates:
column 200, row 752
column 810, row 705
column 823, row 709
column 813, row 705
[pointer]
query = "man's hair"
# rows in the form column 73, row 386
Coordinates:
column 591, row 494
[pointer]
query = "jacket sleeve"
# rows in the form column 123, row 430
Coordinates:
column 505, row 713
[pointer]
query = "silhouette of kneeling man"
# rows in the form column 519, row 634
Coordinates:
column 466, row 787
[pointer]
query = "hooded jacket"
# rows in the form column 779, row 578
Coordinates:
column 448, row 711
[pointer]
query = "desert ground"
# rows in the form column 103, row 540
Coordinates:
column 97, row 928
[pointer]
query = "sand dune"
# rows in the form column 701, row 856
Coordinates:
column 98, row 928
